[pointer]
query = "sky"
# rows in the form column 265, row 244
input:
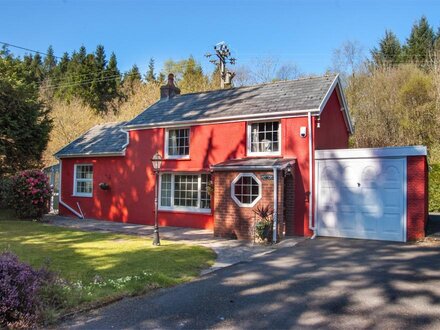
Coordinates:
column 291, row 31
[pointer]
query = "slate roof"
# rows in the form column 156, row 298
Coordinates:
column 256, row 163
column 102, row 139
column 293, row 96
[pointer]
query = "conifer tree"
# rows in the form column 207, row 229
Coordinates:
column 49, row 63
column 25, row 122
column 389, row 52
column 420, row 42
column 133, row 74
column 150, row 77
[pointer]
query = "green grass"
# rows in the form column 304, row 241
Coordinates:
column 101, row 266
column 434, row 188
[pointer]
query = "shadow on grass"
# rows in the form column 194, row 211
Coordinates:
column 78, row 255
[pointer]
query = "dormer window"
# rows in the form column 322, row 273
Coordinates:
column 264, row 138
column 177, row 143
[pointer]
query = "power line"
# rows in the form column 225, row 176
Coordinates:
column 81, row 82
column 7, row 44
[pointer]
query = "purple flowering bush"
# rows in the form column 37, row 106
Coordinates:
column 20, row 305
column 31, row 194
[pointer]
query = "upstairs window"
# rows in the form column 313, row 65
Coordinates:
column 264, row 138
column 177, row 143
column 83, row 181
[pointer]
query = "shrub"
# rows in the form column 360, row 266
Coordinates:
column 5, row 192
column 31, row 194
column 264, row 225
column 434, row 188
column 19, row 285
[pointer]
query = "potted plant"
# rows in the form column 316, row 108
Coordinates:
column 264, row 223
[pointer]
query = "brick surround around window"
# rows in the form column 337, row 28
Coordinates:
column 233, row 221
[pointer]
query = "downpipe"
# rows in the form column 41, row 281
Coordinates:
column 311, row 226
column 275, row 205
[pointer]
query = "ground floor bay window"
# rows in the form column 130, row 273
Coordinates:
column 185, row 192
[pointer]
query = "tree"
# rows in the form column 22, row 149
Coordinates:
column 188, row 74
column 150, row 77
column 420, row 43
column 348, row 59
column 288, row 71
column 49, row 63
column 193, row 79
column 397, row 106
column 132, row 76
column 24, row 120
column 389, row 52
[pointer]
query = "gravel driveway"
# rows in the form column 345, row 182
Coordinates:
column 322, row 283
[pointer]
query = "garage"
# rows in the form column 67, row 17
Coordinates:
column 369, row 194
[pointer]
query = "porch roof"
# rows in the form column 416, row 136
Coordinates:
column 253, row 164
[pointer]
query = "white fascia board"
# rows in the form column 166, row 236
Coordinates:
column 337, row 83
column 102, row 154
column 267, row 115
column 371, row 152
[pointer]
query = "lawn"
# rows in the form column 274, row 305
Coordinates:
column 434, row 188
column 99, row 266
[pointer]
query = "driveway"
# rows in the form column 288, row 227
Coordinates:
column 322, row 283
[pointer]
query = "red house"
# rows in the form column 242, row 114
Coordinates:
column 227, row 151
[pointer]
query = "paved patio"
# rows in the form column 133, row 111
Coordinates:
column 229, row 252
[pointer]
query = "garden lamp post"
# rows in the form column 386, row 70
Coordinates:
column 157, row 162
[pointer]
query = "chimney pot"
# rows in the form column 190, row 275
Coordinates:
column 169, row 90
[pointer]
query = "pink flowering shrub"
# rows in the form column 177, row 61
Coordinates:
column 31, row 194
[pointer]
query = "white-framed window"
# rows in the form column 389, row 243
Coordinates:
column 264, row 138
column 246, row 190
column 185, row 192
column 177, row 143
column 83, row 180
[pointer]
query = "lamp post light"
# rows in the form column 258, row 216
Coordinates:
column 157, row 162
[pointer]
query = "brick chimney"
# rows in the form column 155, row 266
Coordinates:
column 169, row 90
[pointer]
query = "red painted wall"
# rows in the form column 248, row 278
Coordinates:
column 131, row 178
column 131, row 196
column 333, row 132
column 417, row 197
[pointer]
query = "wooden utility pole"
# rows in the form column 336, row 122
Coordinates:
column 223, row 54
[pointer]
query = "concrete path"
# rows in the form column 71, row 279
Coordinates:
column 228, row 252
column 323, row 283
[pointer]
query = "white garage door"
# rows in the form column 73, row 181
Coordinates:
column 362, row 198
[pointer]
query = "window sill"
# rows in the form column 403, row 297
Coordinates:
column 177, row 158
column 178, row 210
column 264, row 154
column 87, row 196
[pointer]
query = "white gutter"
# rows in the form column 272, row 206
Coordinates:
column 311, row 226
column 60, row 201
column 275, row 204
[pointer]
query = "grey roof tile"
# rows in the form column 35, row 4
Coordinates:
column 295, row 95
column 102, row 139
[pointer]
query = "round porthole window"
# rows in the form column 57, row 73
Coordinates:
column 246, row 190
